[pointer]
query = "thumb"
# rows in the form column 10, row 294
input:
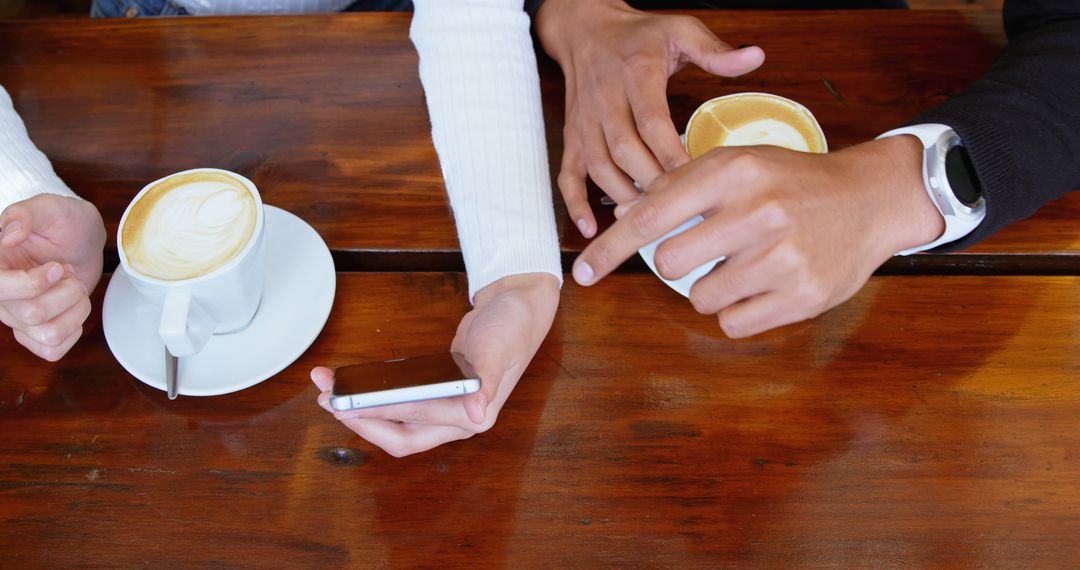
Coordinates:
column 16, row 223
column 490, row 367
column 476, row 406
column 704, row 49
column 323, row 378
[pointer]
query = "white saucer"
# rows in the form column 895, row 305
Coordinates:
column 297, row 296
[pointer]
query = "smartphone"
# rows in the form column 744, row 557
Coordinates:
column 403, row 380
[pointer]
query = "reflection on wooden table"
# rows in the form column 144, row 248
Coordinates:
column 929, row 421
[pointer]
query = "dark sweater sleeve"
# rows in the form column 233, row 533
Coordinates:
column 531, row 6
column 1020, row 122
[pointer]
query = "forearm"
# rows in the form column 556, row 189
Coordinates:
column 24, row 170
column 480, row 78
column 1021, row 122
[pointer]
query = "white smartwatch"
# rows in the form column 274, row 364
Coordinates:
column 950, row 181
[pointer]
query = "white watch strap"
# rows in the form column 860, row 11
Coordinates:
column 928, row 133
column 959, row 219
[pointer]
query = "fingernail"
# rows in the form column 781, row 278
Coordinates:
column 481, row 404
column 54, row 274
column 9, row 230
column 583, row 227
column 583, row 273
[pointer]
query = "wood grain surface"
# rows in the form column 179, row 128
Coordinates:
column 929, row 422
column 326, row 113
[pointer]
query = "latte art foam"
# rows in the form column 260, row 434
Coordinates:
column 766, row 131
column 188, row 226
column 749, row 119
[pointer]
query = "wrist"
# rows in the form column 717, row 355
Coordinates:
column 950, row 180
column 547, row 26
column 908, row 218
column 540, row 284
column 557, row 20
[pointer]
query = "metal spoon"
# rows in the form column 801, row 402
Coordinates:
column 171, row 365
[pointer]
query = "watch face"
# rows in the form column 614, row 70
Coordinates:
column 962, row 178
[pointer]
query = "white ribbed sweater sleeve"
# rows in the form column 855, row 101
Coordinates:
column 479, row 73
column 24, row 170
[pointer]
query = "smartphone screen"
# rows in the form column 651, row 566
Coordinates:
column 403, row 380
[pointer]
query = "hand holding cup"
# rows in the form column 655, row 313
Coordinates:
column 800, row 232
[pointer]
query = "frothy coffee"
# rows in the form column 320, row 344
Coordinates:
column 188, row 225
column 747, row 119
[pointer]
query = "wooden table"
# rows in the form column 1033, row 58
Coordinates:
column 930, row 421
column 345, row 143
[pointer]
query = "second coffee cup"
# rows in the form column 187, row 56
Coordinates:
column 740, row 119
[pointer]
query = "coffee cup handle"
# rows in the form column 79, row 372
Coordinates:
column 185, row 325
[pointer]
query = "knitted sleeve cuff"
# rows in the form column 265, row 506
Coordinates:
column 24, row 170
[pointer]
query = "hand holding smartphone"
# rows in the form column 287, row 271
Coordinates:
column 403, row 380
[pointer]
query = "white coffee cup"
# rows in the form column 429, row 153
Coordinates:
column 798, row 130
column 194, row 249
column 683, row 284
